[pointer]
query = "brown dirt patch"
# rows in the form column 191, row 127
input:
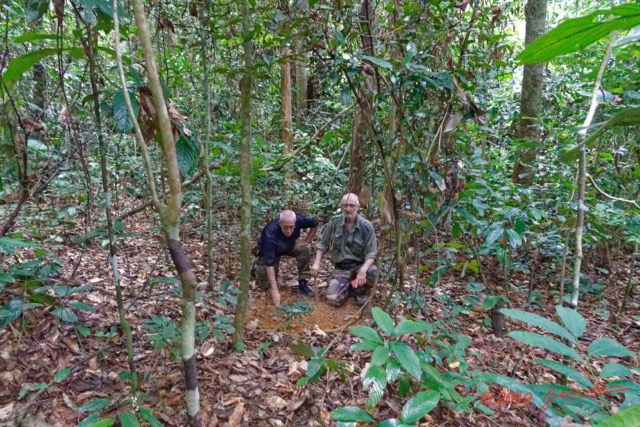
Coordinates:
column 323, row 316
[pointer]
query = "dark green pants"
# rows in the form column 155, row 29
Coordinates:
column 340, row 284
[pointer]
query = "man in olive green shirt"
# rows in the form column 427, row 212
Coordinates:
column 353, row 245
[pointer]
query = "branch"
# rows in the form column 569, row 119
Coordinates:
column 311, row 140
column 185, row 184
column 619, row 199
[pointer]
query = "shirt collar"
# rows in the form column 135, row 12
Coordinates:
column 342, row 222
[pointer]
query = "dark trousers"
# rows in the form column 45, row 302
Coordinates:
column 301, row 253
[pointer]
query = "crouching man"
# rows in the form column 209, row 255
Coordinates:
column 278, row 239
column 351, row 241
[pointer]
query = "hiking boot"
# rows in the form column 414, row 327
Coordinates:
column 304, row 289
column 361, row 300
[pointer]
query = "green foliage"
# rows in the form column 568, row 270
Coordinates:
column 188, row 151
column 396, row 363
column 575, row 34
column 548, row 397
column 121, row 113
column 628, row 417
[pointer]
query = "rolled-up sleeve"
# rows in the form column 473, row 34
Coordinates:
column 371, row 244
column 322, row 243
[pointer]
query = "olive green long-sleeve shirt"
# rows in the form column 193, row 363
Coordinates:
column 357, row 245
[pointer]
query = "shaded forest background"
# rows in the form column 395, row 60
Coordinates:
column 143, row 146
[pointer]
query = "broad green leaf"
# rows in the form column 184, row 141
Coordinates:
column 628, row 417
column 375, row 380
column 105, row 422
column 82, row 306
column 419, row 405
column 36, row 9
column 352, row 414
column 95, row 405
column 394, row 371
column 380, row 356
column 61, row 375
column 89, row 421
column 367, row 333
column 377, row 61
column 539, row 321
column 121, row 113
column 346, row 424
column 627, row 117
column 608, row 347
column 494, row 234
column 383, row 320
column 303, row 349
column 10, row 242
column 32, row 37
column 188, row 151
column 21, row 64
column 314, row 366
column 545, row 342
column 575, row 34
column 127, row 419
column 147, row 414
column 407, row 358
column 393, row 422
column 573, row 321
column 364, row 345
column 615, row 369
column 65, row 314
column 567, row 371
column 6, row 278
column 514, row 238
column 408, row 326
column 438, row 273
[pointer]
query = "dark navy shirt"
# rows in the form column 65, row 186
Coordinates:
column 273, row 243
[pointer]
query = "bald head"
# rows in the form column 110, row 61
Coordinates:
column 350, row 206
column 350, row 198
column 287, row 222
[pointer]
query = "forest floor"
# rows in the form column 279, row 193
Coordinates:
column 256, row 387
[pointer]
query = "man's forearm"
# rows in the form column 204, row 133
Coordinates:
column 318, row 256
column 271, row 275
column 311, row 235
column 368, row 263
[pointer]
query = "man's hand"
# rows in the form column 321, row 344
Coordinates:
column 361, row 278
column 314, row 269
column 275, row 297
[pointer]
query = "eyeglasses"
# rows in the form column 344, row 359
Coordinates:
column 349, row 205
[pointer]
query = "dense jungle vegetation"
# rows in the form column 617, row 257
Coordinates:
column 494, row 146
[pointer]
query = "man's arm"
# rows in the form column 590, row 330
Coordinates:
column 362, row 272
column 311, row 234
column 315, row 267
column 370, row 253
column 273, row 285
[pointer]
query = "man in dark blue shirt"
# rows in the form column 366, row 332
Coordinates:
column 278, row 239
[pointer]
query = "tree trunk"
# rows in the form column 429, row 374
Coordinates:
column 582, row 176
column 170, row 218
column 246, row 84
column 301, row 8
column 287, row 119
column 531, row 96
column 364, row 110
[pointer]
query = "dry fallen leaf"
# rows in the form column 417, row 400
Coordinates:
column 454, row 365
column 275, row 403
column 5, row 411
column 236, row 418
